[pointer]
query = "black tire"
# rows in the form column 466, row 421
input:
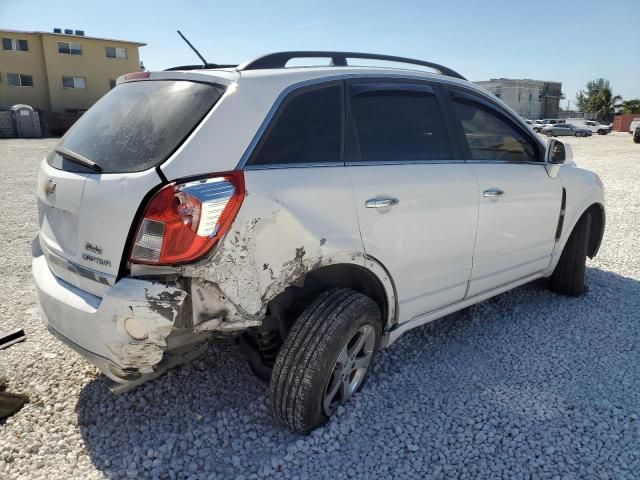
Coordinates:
column 601, row 132
column 578, row 134
column 549, row 134
column 309, row 354
column 568, row 276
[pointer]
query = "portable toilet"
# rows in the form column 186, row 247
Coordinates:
column 25, row 121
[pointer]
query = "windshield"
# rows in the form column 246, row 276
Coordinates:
column 135, row 126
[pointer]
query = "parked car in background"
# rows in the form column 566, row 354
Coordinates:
column 635, row 123
column 592, row 125
column 565, row 129
column 636, row 134
column 538, row 125
column 552, row 121
column 248, row 211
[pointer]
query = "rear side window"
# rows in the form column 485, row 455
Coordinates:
column 306, row 129
column 491, row 136
column 399, row 125
column 137, row 125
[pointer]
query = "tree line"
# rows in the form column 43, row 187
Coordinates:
column 598, row 98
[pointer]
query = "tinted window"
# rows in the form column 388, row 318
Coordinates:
column 138, row 124
column 399, row 125
column 26, row 80
column 491, row 136
column 306, row 130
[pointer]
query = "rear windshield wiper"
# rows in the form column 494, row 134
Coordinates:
column 77, row 158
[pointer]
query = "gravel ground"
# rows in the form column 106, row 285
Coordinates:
column 526, row 385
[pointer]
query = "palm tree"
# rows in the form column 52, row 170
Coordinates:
column 630, row 106
column 599, row 99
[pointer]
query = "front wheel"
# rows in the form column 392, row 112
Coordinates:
column 325, row 358
column 568, row 276
column 549, row 134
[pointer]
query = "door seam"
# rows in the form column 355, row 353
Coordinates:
column 475, row 241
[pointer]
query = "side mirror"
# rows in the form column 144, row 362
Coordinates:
column 558, row 153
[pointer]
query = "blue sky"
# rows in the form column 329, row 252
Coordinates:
column 572, row 41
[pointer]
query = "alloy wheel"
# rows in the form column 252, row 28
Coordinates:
column 350, row 368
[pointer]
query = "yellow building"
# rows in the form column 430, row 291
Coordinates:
column 61, row 72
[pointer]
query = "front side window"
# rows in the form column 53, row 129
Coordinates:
column 491, row 136
column 306, row 129
column 116, row 52
column 19, row 80
column 74, row 82
column 15, row 44
column 399, row 125
column 69, row 48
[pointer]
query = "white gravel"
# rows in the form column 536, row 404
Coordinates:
column 526, row 385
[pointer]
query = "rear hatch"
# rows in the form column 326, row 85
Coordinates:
column 92, row 185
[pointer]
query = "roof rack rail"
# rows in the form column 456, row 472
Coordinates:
column 338, row 59
column 199, row 67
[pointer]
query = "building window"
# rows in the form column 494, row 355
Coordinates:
column 498, row 92
column 531, row 95
column 112, row 83
column 74, row 82
column 117, row 52
column 19, row 80
column 14, row 44
column 70, row 48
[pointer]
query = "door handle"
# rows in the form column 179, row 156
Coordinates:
column 381, row 202
column 492, row 193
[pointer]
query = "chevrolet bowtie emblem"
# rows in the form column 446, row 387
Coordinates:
column 49, row 186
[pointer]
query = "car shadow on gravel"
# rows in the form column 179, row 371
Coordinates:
column 527, row 362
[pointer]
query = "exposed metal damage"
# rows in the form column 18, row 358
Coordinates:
column 150, row 308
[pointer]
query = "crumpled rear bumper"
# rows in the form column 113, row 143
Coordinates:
column 95, row 327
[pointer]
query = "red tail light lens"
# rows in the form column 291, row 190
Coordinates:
column 183, row 221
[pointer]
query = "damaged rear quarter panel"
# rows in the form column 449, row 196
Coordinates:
column 292, row 221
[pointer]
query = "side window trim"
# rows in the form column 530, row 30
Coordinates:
column 465, row 95
column 271, row 120
column 357, row 86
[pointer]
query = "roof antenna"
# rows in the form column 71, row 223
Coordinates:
column 194, row 49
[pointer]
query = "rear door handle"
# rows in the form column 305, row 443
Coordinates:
column 492, row 193
column 381, row 202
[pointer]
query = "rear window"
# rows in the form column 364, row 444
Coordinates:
column 137, row 125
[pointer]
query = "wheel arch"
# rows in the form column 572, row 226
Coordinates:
column 358, row 272
column 596, row 210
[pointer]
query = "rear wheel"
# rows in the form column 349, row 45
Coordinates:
column 549, row 133
column 602, row 132
column 568, row 276
column 325, row 358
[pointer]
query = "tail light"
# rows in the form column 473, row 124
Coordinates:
column 183, row 221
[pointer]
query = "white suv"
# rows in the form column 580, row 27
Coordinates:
column 315, row 213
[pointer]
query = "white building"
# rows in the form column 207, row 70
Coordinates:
column 531, row 99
